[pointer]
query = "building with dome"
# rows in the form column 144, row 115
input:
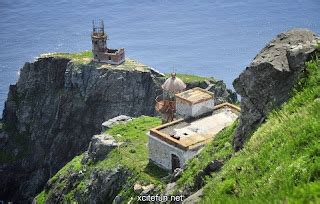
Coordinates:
column 191, row 119
column 166, row 103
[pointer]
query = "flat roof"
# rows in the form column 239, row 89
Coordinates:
column 195, row 95
column 194, row 133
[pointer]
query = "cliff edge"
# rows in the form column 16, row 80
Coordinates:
column 58, row 103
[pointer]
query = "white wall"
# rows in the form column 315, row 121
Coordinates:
column 203, row 107
column 187, row 110
column 160, row 153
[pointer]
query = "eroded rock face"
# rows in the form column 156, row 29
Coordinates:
column 101, row 186
column 53, row 111
column 268, row 81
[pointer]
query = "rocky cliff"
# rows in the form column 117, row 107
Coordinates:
column 268, row 81
column 55, row 108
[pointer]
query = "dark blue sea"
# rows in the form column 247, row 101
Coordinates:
column 210, row 38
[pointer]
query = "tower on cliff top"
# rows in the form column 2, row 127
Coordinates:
column 101, row 53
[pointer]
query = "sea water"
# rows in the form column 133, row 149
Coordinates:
column 215, row 38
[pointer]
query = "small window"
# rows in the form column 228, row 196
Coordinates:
column 96, row 43
column 109, row 58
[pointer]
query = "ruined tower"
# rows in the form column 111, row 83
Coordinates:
column 101, row 53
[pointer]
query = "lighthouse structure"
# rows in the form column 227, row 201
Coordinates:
column 100, row 50
column 166, row 103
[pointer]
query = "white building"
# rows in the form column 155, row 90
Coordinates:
column 172, row 144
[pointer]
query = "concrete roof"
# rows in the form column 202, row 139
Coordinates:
column 195, row 95
column 194, row 133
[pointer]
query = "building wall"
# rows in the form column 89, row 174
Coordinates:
column 110, row 58
column 187, row 110
column 160, row 153
column 203, row 107
column 183, row 109
column 99, row 44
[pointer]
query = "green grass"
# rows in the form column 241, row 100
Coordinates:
column 83, row 57
column 219, row 148
column 281, row 161
column 188, row 78
column 41, row 198
column 74, row 165
column 132, row 154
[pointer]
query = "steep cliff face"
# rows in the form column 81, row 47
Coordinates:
column 53, row 111
column 268, row 81
column 55, row 108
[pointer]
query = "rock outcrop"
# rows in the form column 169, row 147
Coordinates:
column 114, row 121
column 53, row 111
column 99, row 147
column 102, row 186
column 268, row 81
column 55, row 108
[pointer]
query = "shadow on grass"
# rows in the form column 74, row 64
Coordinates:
column 155, row 171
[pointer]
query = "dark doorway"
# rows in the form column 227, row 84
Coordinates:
column 175, row 162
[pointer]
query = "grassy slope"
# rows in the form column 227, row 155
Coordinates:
column 188, row 78
column 82, row 57
column 281, row 161
column 220, row 147
column 133, row 155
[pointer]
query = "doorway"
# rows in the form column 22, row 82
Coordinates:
column 175, row 162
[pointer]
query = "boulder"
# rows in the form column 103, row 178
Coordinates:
column 147, row 189
column 137, row 188
column 268, row 81
column 114, row 121
column 99, row 147
column 194, row 198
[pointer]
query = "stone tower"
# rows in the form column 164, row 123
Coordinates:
column 101, row 53
column 99, row 38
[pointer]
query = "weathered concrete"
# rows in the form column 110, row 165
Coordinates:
column 194, row 102
column 161, row 153
column 192, row 134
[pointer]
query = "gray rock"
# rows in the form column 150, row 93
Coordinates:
column 147, row 189
column 99, row 147
column 100, row 186
column 194, row 198
column 177, row 173
column 55, row 108
column 137, row 188
column 267, row 82
column 114, row 121
column 3, row 138
column 170, row 188
column 219, row 88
